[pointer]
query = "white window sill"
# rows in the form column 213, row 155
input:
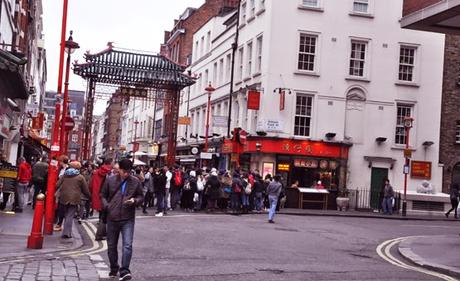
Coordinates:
column 257, row 74
column 242, row 25
column 363, row 15
column 246, row 79
column 357, row 78
column 407, row 84
column 238, row 82
column 401, row 147
column 251, row 19
column 306, row 73
column 261, row 11
column 310, row 8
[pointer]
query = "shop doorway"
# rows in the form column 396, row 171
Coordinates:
column 378, row 175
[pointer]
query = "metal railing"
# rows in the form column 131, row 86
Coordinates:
column 368, row 200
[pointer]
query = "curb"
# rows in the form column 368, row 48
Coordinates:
column 405, row 249
column 77, row 243
column 396, row 217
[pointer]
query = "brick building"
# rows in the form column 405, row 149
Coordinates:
column 178, row 43
column 112, row 125
column 442, row 16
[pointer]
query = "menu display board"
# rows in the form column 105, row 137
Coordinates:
column 420, row 170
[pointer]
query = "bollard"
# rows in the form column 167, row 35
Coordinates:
column 35, row 240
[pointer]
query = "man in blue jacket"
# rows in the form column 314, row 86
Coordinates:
column 120, row 194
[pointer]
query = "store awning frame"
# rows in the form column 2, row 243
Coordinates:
column 12, row 83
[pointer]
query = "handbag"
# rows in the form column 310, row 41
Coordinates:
column 200, row 185
column 248, row 189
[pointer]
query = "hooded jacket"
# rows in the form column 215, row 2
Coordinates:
column 72, row 185
column 97, row 180
column 24, row 173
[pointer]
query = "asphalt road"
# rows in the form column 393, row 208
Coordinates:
column 222, row 247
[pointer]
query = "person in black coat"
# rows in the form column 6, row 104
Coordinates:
column 159, row 187
column 454, row 193
column 212, row 190
column 189, row 190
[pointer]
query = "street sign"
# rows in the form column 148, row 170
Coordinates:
column 69, row 123
column 184, row 120
column 406, row 169
column 407, row 153
column 206, row 155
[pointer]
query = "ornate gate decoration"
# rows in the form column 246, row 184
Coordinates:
column 140, row 72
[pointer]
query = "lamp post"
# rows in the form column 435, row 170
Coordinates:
column 53, row 167
column 70, row 47
column 209, row 90
column 408, row 122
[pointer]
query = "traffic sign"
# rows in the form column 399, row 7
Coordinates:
column 69, row 123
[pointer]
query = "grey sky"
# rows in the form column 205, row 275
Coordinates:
column 135, row 24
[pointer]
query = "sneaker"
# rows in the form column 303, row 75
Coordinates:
column 113, row 273
column 160, row 214
column 271, row 221
column 126, row 276
column 57, row 227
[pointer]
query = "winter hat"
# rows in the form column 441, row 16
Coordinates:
column 75, row 165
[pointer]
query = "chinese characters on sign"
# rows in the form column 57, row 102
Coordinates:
column 420, row 170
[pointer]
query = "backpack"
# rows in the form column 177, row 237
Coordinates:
column 236, row 187
column 177, row 178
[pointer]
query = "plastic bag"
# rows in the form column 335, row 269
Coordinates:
column 1, row 197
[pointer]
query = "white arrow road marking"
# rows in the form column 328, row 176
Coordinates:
column 384, row 251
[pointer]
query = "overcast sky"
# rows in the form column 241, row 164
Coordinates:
column 134, row 24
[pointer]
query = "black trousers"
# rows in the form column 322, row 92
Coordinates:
column 454, row 203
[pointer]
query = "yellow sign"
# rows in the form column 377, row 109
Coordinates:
column 8, row 173
column 283, row 167
column 184, row 120
column 407, row 153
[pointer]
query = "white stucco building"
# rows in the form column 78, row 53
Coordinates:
column 349, row 74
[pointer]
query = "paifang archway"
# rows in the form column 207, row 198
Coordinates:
column 135, row 70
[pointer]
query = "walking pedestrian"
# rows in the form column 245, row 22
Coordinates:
column 72, row 185
column 169, row 176
column 120, row 195
column 39, row 178
column 273, row 191
column 454, row 193
column 159, row 185
column 24, row 178
column 176, row 187
column 259, row 192
column 148, row 189
column 388, row 196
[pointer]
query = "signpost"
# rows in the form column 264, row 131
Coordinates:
column 69, row 123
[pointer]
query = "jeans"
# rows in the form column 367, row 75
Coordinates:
column 387, row 205
column 68, row 220
column 245, row 200
column 147, row 198
column 273, row 199
column 21, row 189
column 236, row 201
column 114, row 228
column 259, row 201
column 160, row 201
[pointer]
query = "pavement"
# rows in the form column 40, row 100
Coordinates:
column 439, row 253
column 431, row 251
column 46, row 264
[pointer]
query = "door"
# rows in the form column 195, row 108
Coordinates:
column 378, row 175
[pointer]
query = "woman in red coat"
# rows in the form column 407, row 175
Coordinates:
column 97, row 180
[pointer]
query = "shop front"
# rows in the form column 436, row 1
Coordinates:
column 302, row 162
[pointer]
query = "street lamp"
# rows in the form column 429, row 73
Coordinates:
column 209, row 90
column 70, row 47
column 408, row 123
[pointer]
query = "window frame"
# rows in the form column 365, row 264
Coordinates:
column 243, row 14
column 259, row 50
column 367, row 59
column 409, row 106
column 240, row 64
column 361, row 2
column 416, row 66
column 317, row 6
column 316, row 55
column 310, row 103
column 249, row 59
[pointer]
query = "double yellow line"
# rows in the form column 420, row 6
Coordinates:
column 384, row 251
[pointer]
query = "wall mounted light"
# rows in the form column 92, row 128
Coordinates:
column 380, row 140
column 330, row 135
column 427, row 144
